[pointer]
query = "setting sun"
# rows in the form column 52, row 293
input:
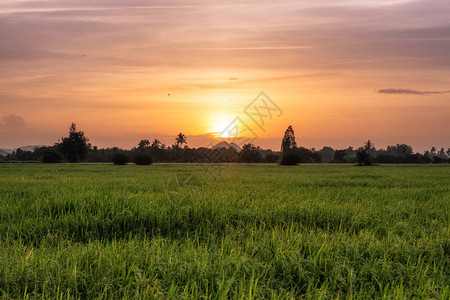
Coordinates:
column 220, row 124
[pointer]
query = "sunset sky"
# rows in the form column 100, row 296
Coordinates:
column 341, row 71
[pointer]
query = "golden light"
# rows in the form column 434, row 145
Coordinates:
column 220, row 123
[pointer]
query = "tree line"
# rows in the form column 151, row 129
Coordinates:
column 76, row 148
column 365, row 155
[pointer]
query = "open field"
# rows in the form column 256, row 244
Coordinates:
column 260, row 231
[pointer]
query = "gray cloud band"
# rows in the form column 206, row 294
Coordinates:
column 410, row 92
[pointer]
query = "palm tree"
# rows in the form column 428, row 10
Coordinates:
column 180, row 140
column 143, row 144
column 156, row 144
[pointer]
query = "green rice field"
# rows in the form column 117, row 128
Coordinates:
column 252, row 231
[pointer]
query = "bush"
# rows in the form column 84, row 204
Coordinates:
column 143, row 159
column 290, row 158
column 51, row 157
column 119, row 159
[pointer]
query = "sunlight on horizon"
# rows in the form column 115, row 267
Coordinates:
column 220, row 123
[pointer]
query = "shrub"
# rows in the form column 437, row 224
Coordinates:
column 51, row 157
column 290, row 158
column 143, row 159
column 119, row 159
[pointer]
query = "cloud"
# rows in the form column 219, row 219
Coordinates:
column 12, row 123
column 13, row 131
column 410, row 92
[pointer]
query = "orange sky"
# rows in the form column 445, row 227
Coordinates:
column 129, row 70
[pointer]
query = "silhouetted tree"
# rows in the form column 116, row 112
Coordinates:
column 23, row 155
column 363, row 157
column 156, row 144
column 308, row 156
column 364, row 154
column 143, row 144
column 369, row 146
column 156, row 149
column 399, row 150
column 75, row 146
column 288, row 141
column 249, row 154
column 339, row 156
column 180, row 140
column 326, row 154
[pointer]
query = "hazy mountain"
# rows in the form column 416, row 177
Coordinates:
column 31, row 147
column 4, row 151
column 227, row 145
column 7, row 151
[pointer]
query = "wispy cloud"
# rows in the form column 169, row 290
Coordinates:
column 253, row 48
column 410, row 92
column 90, row 9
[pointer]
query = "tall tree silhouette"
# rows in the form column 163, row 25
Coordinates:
column 364, row 154
column 288, row 140
column 369, row 146
column 75, row 146
column 180, row 140
column 156, row 144
column 156, row 148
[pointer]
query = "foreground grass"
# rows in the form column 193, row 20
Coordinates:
column 259, row 231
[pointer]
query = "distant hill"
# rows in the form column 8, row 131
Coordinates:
column 31, row 147
column 227, row 146
column 4, row 151
column 7, row 151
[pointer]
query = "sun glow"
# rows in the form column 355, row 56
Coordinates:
column 221, row 123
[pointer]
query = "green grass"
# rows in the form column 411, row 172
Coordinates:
column 259, row 231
